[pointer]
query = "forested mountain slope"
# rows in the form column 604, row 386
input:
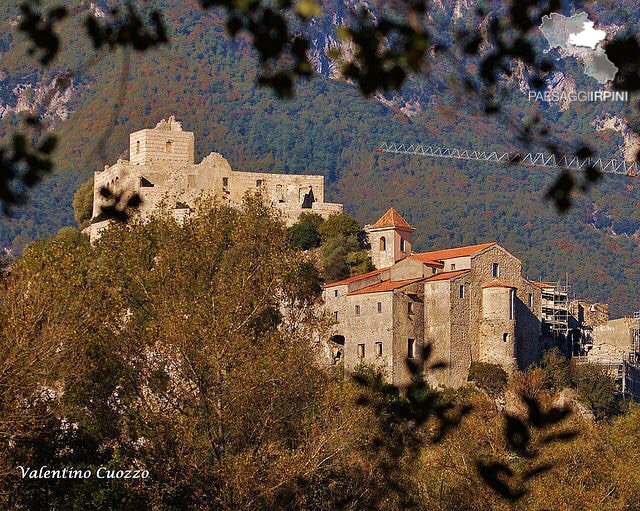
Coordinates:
column 208, row 82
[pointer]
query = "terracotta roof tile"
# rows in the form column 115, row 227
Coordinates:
column 541, row 285
column 450, row 253
column 353, row 279
column 392, row 219
column 447, row 275
column 387, row 285
column 498, row 283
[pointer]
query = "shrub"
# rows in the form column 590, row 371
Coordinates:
column 597, row 388
column 490, row 377
column 340, row 225
column 556, row 370
column 303, row 236
column 312, row 219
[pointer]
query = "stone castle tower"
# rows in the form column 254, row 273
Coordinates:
column 162, row 172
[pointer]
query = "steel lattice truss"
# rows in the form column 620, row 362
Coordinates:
column 612, row 166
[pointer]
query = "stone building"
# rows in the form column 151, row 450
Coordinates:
column 469, row 303
column 161, row 169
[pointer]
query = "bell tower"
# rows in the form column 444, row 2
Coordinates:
column 390, row 239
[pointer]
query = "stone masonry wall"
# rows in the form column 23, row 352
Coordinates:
column 437, row 325
column 460, row 340
column 482, row 333
column 368, row 328
column 407, row 325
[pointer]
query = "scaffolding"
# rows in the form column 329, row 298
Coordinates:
column 634, row 355
column 555, row 306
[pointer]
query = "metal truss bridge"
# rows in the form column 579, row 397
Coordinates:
column 612, row 166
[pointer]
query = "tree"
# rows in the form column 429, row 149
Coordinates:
column 303, row 236
column 339, row 225
column 169, row 348
column 83, row 203
column 556, row 370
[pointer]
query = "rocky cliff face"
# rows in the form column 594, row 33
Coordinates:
column 631, row 148
column 51, row 100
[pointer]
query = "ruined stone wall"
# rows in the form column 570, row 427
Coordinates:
column 589, row 313
column 162, row 171
column 171, row 145
column 614, row 336
column 289, row 188
column 407, row 325
column 437, row 325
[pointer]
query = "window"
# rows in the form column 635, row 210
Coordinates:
column 505, row 337
column 360, row 350
column 411, row 348
column 453, row 266
column 495, row 269
column 357, row 310
column 225, row 183
column 530, row 300
column 410, row 307
column 433, row 271
column 169, row 146
column 335, row 315
column 138, row 147
column 258, row 183
column 379, row 307
column 461, row 290
column 510, row 303
column 378, row 349
column 383, row 244
column 403, row 245
column 335, row 293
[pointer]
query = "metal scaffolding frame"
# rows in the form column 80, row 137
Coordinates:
column 606, row 166
column 634, row 355
column 555, row 306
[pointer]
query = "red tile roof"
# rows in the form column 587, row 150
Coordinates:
column 446, row 275
column 498, row 283
column 450, row 253
column 392, row 219
column 353, row 279
column 387, row 285
column 541, row 285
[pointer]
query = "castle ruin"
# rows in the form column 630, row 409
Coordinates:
column 161, row 170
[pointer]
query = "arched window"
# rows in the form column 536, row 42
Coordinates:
column 383, row 244
column 169, row 146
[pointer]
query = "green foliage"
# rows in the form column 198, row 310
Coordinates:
column 333, row 259
column 597, row 388
column 83, row 203
column 312, row 219
column 556, row 370
column 303, row 236
column 339, row 225
column 490, row 377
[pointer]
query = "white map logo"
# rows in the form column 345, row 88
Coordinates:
column 576, row 37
